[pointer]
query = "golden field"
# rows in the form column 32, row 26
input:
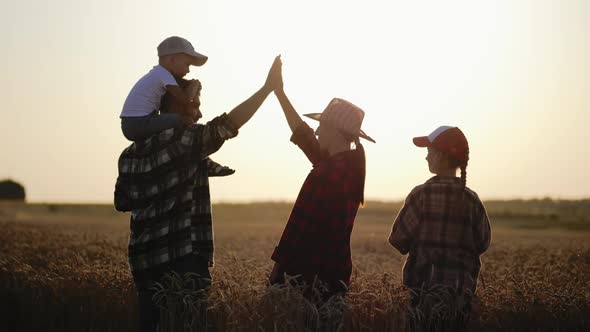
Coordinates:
column 64, row 268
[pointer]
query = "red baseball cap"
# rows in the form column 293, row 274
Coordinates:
column 449, row 140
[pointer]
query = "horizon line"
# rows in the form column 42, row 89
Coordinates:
column 286, row 201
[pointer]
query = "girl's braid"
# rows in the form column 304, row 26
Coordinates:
column 464, row 175
column 464, row 172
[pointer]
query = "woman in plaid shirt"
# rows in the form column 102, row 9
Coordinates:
column 444, row 228
column 316, row 241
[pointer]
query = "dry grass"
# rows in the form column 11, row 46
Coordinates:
column 65, row 269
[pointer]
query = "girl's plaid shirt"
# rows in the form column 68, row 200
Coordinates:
column 164, row 181
column 444, row 229
column 316, row 240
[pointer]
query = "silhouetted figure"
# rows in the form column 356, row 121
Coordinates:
column 316, row 241
column 164, row 182
column 444, row 228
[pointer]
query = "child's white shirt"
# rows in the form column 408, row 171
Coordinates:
column 145, row 96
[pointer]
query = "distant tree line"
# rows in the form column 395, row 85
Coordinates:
column 10, row 190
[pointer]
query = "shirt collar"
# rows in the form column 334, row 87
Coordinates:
column 444, row 179
column 160, row 67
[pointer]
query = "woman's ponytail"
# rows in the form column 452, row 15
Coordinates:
column 362, row 165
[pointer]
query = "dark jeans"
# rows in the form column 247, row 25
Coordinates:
column 141, row 127
column 149, row 312
column 441, row 309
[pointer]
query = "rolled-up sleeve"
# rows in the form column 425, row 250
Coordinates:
column 304, row 138
column 206, row 139
column 405, row 226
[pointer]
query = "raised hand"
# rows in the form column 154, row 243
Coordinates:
column 275, row 76
column 243, row 112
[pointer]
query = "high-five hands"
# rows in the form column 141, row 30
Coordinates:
column 274, row 79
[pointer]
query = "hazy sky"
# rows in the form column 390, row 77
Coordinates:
column 513, row 75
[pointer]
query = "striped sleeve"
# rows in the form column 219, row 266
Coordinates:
column 206, row 139
column 143, row 165
column 405, row 226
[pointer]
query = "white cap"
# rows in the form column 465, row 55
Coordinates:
column 175, row 45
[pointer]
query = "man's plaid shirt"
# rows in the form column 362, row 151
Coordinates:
column 164, row 181
column 316, row 240
column 444, row 229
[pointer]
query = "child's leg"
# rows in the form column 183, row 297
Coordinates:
column 142, row 127
column 214, row 169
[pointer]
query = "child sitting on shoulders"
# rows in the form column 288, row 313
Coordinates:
column 140, row 117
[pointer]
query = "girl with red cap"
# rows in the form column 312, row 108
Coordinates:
column 444, row 228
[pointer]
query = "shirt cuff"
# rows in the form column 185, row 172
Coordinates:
column 227, row 124
column 301, row 134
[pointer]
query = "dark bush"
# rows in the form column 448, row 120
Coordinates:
column 10, row 190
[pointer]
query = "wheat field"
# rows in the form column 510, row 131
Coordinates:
column 64, row 268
